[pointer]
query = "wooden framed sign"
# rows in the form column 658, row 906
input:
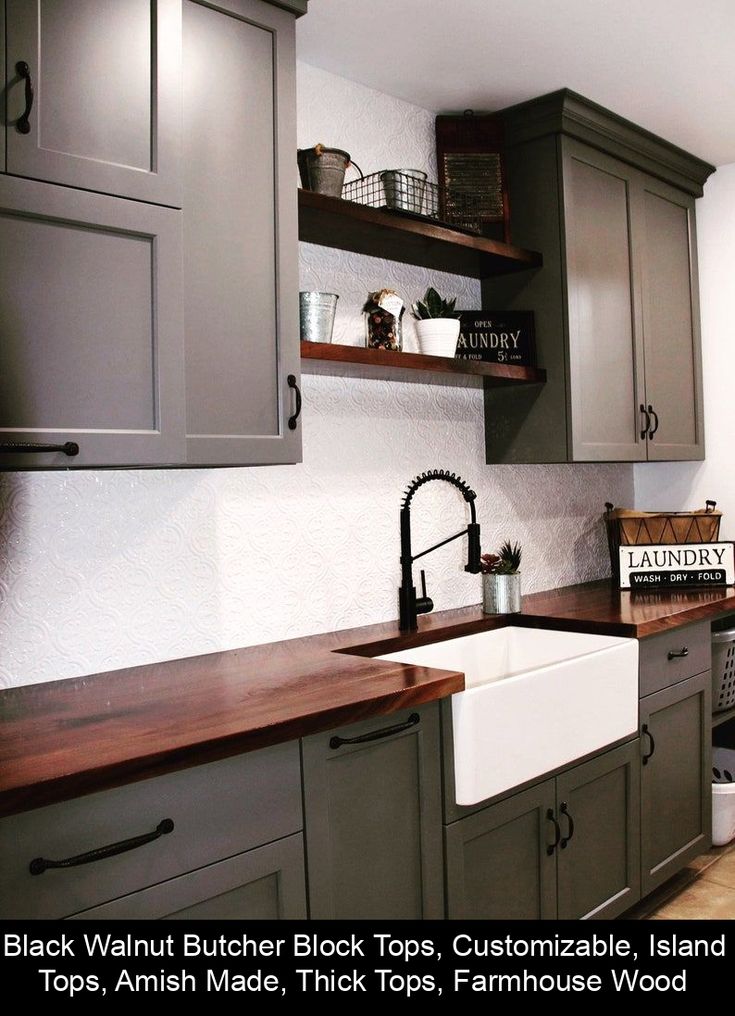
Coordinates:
column 505, row 336
column 674, row 565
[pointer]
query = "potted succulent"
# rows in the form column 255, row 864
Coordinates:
column 437, row 324
column 501, row 580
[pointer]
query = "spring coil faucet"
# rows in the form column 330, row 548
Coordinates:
column 409, row 605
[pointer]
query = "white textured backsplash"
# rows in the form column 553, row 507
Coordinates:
column 101, row 570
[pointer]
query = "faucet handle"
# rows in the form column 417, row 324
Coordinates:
column 424, row 603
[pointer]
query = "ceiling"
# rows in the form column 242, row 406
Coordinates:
column 667, row 65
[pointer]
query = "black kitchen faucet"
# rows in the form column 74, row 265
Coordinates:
column 409, row 605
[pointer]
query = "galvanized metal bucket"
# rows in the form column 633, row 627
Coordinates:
column 317, row 316
column 501, row 594
column 323, row 169
column 404, row 189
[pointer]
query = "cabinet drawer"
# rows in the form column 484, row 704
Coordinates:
column 217, row 810
column 674, row 656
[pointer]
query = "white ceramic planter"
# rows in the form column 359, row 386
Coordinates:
column 438, row 336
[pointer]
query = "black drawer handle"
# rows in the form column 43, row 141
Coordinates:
column 565, row 840
column 22, row 124
column 645, row 731
column 375, row 735
column 291, row 381
column 40, row 864
column 21, row 447
column 557, row 832
column 647, row 425
column 678, row 654
column 654, row 414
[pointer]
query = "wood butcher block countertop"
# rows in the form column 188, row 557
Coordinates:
column 66, row 738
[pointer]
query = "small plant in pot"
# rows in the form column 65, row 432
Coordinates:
column 437, row 324
column 501, row 580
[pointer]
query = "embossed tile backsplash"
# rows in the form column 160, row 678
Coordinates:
column 101, row 570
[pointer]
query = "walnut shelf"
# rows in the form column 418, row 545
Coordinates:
column 346, row 225
column 358, row 361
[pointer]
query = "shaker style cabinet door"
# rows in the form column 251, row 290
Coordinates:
column 668, row 249
column 372, row 815
column 94, row 95
column 90, row 329
column 605, row 339
column 240, row 234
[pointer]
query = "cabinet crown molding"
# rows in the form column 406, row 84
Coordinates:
column 567, row 112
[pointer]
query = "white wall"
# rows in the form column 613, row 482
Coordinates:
column 679, row 485
column 100, row 570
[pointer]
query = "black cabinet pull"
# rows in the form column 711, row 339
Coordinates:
column 376, row 735
column 678, row 654
column 291, row 381
column 21, row 447
column 22, row 124
column 557, row 832
column 570, row 821
column 647, row 424
column 647, row 732
column 40, row 864
column 654, row 414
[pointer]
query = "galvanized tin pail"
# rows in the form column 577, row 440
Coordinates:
column 323, row 169
column 317, row 316
column 404, row 189
column 501, row 594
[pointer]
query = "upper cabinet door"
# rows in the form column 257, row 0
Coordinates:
column 90, row 329
column 94, row 95
column 605, row 350
column 240, row 234
column 668, row 246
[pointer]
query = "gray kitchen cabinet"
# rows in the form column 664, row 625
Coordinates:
column 676, row 797
column 106, row 82
column 90, row 330
column 500, row 862
column 240, row 234
column 611, row 207
column 372, row 815
column 263, row 884
column 566, row 848
column 598, row 859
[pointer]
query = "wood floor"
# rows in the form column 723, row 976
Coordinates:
column 703, row 891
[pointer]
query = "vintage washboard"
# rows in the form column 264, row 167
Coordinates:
column 469, row 155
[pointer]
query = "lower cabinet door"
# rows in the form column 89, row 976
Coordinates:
column 676, row 795
column 262, row 884
column 372, row 813
column 500, row 861
column 598, row 810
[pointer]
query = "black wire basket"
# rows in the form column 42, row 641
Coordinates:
column 409, row 192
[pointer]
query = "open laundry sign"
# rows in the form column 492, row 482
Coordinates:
column 672, row 565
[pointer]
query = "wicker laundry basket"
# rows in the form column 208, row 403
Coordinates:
column 629, row 528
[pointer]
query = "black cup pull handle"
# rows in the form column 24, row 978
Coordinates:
column 40, row 864
column 646, row 426
column 22, row 124
column 70, row 448
column 557, row 832
column 570, row 832
column 649, row 735
column 678, row 654
column 291, row 381
column 376, row 735
column 654, row 414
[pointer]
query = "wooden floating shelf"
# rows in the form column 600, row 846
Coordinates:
column 358, row 361
column 346, row 225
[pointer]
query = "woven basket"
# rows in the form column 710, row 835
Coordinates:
column 628, row 528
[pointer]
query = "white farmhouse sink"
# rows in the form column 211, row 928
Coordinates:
column 534, row 700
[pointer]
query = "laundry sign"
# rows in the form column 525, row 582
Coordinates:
column 672, row 565
column 497, row 337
